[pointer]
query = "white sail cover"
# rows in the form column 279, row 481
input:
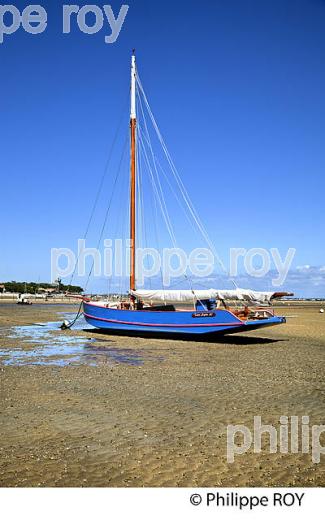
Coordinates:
column 188, row 295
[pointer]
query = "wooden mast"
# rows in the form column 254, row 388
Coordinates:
column 133, row 122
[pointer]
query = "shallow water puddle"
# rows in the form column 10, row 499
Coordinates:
column 46, row 344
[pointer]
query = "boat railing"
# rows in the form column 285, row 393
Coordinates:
column 260, row 313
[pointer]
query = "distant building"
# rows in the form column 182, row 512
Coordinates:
column 47, row 290
column 2, row 288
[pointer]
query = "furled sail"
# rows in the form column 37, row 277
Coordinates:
column 246, row 295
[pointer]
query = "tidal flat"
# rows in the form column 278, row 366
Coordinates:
column 81, row 408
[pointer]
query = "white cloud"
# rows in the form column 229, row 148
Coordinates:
column 303, row 267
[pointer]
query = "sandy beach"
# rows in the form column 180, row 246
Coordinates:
column 119, row 411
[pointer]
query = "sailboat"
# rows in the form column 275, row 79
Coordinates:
column 203, row 312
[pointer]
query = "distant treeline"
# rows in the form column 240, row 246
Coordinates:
column 33, row 287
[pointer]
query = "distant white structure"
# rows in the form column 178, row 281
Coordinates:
column 321, row 311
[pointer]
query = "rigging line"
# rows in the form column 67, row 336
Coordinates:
column 108, row 161
column 180, row 205
column 171, row 187
column 139, row 220
column 158, row 182
column 119, row 225
column 174, row 191
column 119, row 275
column 139, row 208
column 148, row 140
column 141, row 212
column 154, row 213
column 162, row 202
column 141, row 194
column 163, row 144
column 181, row 186
column 108, row 208
column 126, row 234
column 156, row 200
column 174, row 170
column 119, row 278
column 156, row 191
column 179, row 180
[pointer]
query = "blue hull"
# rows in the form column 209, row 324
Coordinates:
column 171, row 322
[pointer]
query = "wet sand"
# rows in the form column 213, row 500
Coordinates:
column 157, row 414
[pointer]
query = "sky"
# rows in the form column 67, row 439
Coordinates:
column 237, row 87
